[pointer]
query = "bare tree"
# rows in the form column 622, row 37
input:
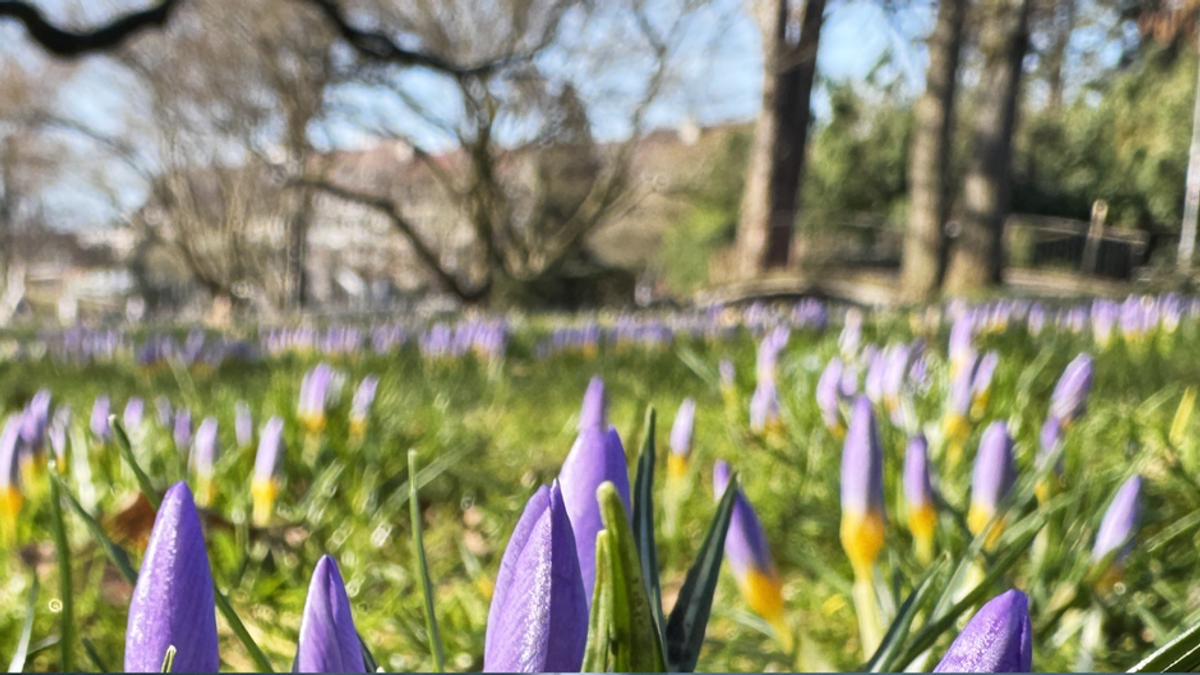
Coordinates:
column 977, row 254
column 929, row 169
column 519, row 169
column 777, row 157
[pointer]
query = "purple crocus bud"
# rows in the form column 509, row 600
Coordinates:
column 725, row 368
column 862, row 490
column 99, row 423
column 243, row 424
column 58, row 436
column 204, row 456
column 11, row 497
column 595, row 458
column 132, row 418
column 172, row 603
column 1035, row 320
column 268, row 467
column 538, row 620
column 34, row 421
column 328, row 641
column 166, row 415
column 893, row 375
column 873, row 384
column 360, row 406
column 681, row 439
column 750, row 558
column 314, row 395
column 1119, row 523
column 994, row 475
column 764, row 407
column 829, row 397
column 594, row 413
column 1070, row 398
column 961, row 335
column 998, row 639
column 918, row 494
column 851, row 335
column 182, row 432
column 981, row 381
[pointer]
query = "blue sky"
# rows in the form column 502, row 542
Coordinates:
column 720, row 80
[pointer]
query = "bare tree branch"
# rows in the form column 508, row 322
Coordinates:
column 70, row 44
column 423, row 250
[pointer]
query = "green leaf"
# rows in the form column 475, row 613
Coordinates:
column 643, row 522
column 1180, row 655
column 636, row 641
column 884, row 658
column 431, row 625
column 689, row 617
column 126, row 449
column 66, row 617
column 600, row 628
column 368, row 658
column 18, row 660
column 168, row 664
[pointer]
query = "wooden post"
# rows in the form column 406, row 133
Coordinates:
column 1091, row 248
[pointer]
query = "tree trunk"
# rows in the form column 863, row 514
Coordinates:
column 929, row 170
column 1063, row 24
column 297, row 252
column 776, row 168
column 977, row 253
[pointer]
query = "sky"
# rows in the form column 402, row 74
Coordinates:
column 719, row 80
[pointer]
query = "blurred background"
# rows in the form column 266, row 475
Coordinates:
column 208, row 160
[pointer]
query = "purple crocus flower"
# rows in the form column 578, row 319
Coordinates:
column 594, row 413
column 99, row 425
column 314, row 396
column 1035, row 320
column 328, row 641
column 998, row 639
column 994, row 475
column 132, row 417
column 1070, row 398
column 750, row 558
column 538, row 620
column 595, row 458
column 725, row 368
column 1119, row 523
column 681, row 439
column 764, row 407
column 862, row 490
column 172, row 603
column 182, row 432
column 851, row 335
column 34, row 421
column 268, row 467
column 981, row 381
column 961, row 335
column 360, row 406
column 58, row 436
column 166, row 415
column 828, row 396
column 243, row 424
column 11, row 497
column 873, row 383
column 918, row 495
column 204, row 456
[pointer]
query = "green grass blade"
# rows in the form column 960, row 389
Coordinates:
column 884, row 658
column 116, row 554
column 66, row 616
column 600, row 624
column 368, row 658
column 17, row 664
column 261, row 663
column 98, row 663
column 431, row 625
column 126, row 449
column 643, row 522
column 1180, row 655
column 689, row 617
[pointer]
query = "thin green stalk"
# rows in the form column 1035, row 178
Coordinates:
column 261, row 663
column 67, row 614
column 126, row 448
column 431, row 626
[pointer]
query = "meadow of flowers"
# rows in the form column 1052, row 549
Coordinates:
column 994, row 487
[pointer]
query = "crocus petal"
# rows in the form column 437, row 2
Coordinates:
column 1120, row 521
column 1069, row 400
column 749, row 555
column 173, row 601
column 328, row 641
column 862, row 490
column 539, row 614
column 596, row 457
column 681, row 430
column 594, row 413
column 998, row 639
